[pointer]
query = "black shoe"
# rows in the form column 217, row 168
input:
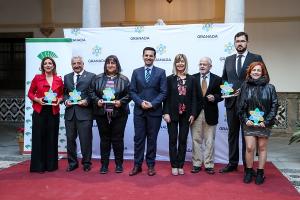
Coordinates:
column 210, row 170
column 248, row 175
column 228, row 168
column 196, row 169
column 135, row 170
column 71, row 168
column 260, row 177
column 119, row 169
column 151, row 171
column 104, row 169
column 86, row 168
column 253, row 172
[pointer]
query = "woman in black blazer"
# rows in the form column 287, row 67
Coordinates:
column 179, row 108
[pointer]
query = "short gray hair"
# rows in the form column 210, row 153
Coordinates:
column 77, row 57
column 208, row 59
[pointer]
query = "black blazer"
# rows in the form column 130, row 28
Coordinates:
column 83, row 85
column 171, row 106
column 230, row 75
column 210, row 108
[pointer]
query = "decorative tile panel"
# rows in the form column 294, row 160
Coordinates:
column 12, row 109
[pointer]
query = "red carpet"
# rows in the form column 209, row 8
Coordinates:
column 17, row 183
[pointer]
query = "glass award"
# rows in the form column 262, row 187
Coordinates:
column 108, row 95
column 74, row 96
column 227, row 90
column 256, row 116
column 50, row 97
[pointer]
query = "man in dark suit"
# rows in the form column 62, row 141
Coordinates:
column 235, row 72
column 78, row 116
column 148, row 89
column 204, row 127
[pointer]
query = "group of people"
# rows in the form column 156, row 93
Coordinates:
column 184, row 101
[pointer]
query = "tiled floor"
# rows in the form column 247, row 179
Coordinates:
column 285, row 157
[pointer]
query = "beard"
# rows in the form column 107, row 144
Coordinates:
column 241, row 49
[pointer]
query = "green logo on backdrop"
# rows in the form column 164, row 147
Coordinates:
column 44, row 54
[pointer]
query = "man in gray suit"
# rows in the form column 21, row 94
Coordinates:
column 234, row 72
column 78, row 114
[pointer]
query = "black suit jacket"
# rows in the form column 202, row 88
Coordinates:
column 230, row 75
column 83, row 85
column 210, row 108
column 171, row 104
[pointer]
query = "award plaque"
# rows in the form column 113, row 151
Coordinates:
column 108, row 95
column 50, row 97
column 256, row 116
column 74, row 96
column 227, row 90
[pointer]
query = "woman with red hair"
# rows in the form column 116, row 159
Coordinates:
column 257, row 108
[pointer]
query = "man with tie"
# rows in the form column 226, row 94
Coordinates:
column 148, row 89
column 78, row 114
column 234, row 72
column 204, row 127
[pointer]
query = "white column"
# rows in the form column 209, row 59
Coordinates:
column 91, row 14
column 234, row 11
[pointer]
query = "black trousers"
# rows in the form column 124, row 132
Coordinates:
column 178, row 140
column 82, row 129
column 111, row 135
column 44, row 152
column 234, row 124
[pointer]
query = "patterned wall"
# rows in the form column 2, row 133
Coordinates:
column 12, row 109
column 282, row 118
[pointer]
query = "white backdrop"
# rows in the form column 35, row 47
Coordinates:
column 196, row 41
column 127, row 43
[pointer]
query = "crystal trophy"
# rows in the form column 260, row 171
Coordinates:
column 50, row 97
column 74, row 96
column 256, row 116
column 108, row 95
column 227, row 90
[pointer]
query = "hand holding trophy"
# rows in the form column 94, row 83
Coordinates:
column 74, row 97
column 256, row 116
column 227, row 90
column 50, row 98
column 108, row 95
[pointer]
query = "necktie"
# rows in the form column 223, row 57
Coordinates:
column 147, row 75
column 77, row 79
column 204, row 85
column 239, row 65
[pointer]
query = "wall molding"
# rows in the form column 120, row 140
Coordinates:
column 140, row 23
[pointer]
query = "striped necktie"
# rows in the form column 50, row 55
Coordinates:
column 147, row 77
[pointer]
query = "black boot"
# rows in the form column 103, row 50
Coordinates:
column 260, row 177
column 248, row 175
